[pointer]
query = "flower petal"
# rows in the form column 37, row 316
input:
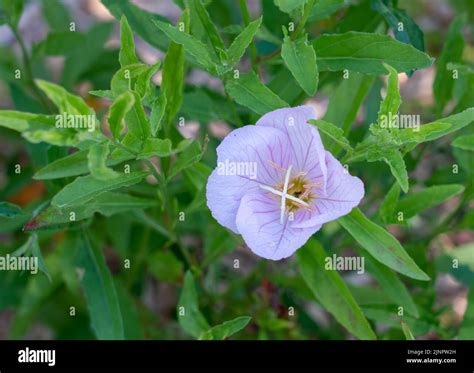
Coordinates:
column 308, row 149
column 258, row 221
column 253, row 148
column 343, row 193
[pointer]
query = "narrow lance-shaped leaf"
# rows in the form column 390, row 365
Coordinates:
column 452, row 52
column 65, row 101
column 404, row 27
column 413, row 203
column 391, row 102
column 406, row 330
column 249, row 91
column 394, row 158
column 347, row 99
column 119, row 108
column 173, row 77
column 457, row 121
column 155, row 147
column 333, row 132
column 158, row 110
column 127, row 54
column 391, row 284
column 191, row 45
column 226, row 329
column 139, row 20
column 85, row 188
column 331, row 291
column 72, row 165
column 388, row 208
column 242, row 41
column 189, row 316
column 199, row 11
column 300, row 58
column 465, row 142
column 366, row 52
column 107, row 204
column 137, row 121
column 381, row 244
column 97, row 158
column 100, row 293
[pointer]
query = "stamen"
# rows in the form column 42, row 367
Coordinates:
column 274, row 165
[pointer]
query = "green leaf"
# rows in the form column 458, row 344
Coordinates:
column 465, row 142
column 249, row 91
column 191, row 154
column 226, row 329
column 72, row 165
column 394, row 158
column 191, row 45
column 127, row 54
column 199, row 13
column 324, row 8
column 347, row 99
column 119, row 108
column 406, row 330
column 133, row 328
column 107, row 204
column 60, row 43
column 391, row 285
column 65, row 101
column 139, row 20
column 158, row 111
column 189, row 316
column 366, row 53
column 331, row 291
column 300, row 58
column 8, row 210
column 31, row 248
column 56, row 14
column 333, row 132
column 388, row 208
column 287, row 6
column 242, row 41
column 391, row 103
column 381, row 244
column 125, row 78
column 410, row 33
column 11, row 10
column 173, row 77
column 97, row 158
column 165, row 266
column 136, row 119
column 415, row 202
column 85, row 188
column 457, row 122
column 22, row 122
column 100, row 293
column 452, row 52
column 155, row 148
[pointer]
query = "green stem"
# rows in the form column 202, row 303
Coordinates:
column 253, row 48
column 232, row 109
column 307, row 11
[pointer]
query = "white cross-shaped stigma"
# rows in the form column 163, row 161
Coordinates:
column 284, row 194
